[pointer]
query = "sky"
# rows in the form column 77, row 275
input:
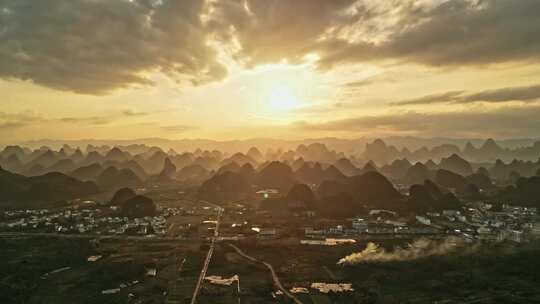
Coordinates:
column 234, row 69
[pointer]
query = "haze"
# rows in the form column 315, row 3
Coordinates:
column 269, row 151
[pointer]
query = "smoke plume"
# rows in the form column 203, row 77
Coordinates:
column 420, row 248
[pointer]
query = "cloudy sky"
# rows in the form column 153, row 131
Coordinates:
column 233, row 69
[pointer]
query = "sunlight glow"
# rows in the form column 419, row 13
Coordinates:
column 283, row 98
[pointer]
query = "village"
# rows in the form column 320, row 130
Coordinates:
column 100, row 221
column 476, row 221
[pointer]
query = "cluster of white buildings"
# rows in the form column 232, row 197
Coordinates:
column 479, row 221
column 476, row 221
column 512, row 223
column 363, row 227
column 90, row 221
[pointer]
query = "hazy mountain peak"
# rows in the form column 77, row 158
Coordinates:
column 490, row 146
column 255, row 154
column 169, row 169
column 379, row 143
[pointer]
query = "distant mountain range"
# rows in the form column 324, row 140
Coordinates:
column 472, row 172
column 113, row 167
column 489, row 151
column 347, row 146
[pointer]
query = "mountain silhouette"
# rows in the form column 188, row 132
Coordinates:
column 86, row 173
column 276, row 175
column 115, row 154
column 428, row 197
column 302, row 196
column 225, row 186
column 193, row 174
column 255, row 154
column 63, row 166
column 346, row 167
column 456, row 164
column 371, row 188
column 169, row 169
column 137, row 207
column 49, row 187
column 451, row 180
column 113, row 178
column 121, row 196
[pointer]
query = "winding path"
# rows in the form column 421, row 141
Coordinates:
column 275, row 278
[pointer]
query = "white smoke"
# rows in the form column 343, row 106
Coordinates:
column 420, row 248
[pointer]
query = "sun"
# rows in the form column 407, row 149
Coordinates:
column 283, row 98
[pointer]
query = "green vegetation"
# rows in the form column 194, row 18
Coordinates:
column 25, row 261
column 492, row 274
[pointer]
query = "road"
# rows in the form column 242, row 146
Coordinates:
column 202, row 275
column 91, row 236
column 275, row 278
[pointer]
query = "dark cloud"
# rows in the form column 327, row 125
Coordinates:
column 10, row 121
column 23, row 116
column 455, row 33
column 133, row 113
column 11, row 125
column 22, row 119
column 450, row 33
column 433, row 98
column 95, row 46
column 272, row 30
column 503, row 122
column 177, row 128
column 524, row 94
column 92, row 120
column 376, row 79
